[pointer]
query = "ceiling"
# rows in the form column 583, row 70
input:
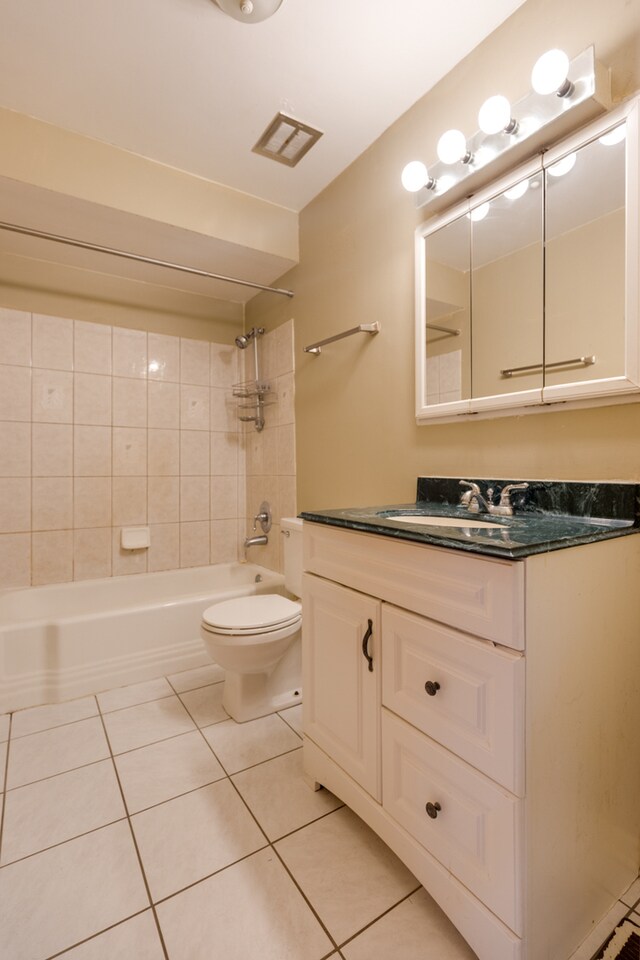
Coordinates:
column 180, row 82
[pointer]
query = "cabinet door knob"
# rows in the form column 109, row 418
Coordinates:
column 365, row 645
column 432, row 687
column 433, row 809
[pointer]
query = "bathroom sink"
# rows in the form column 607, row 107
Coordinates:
column 427, row 521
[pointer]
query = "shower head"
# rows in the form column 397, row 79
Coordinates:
column 245, row 339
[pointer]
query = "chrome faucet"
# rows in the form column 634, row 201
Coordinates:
column 473, row 500
column 259, row 541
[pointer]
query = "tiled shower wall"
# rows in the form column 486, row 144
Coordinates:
column 103, row 427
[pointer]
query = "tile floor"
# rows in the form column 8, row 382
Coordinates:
column 144, row 823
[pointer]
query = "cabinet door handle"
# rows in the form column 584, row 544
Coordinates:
column 365, row 645
column 432, row 687
column 433, row 810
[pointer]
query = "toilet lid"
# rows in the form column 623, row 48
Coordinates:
column 252, row 614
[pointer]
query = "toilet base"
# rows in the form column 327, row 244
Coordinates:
column 248, row 696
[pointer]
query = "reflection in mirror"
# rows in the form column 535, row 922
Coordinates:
column 448, row 369
column 507, row 291
column 585, row 262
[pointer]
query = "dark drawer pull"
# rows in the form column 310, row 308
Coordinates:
column 365, row 645
column 433, row 809
column 432, row 687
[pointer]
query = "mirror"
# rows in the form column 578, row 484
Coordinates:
column 585, row 262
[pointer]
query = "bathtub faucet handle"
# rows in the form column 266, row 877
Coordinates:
column 263, row 518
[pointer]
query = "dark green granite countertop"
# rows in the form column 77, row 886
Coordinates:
column 540, row 522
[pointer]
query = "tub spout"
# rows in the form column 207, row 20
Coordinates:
column 256, row 541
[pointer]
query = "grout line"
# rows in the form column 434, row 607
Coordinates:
column 56, row 726
column 61, row 843
column 383, row 914
column 93, row 936
column 6, row 774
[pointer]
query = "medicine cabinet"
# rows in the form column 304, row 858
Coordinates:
column 527, row 292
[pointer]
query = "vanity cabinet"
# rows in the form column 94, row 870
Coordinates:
column 493, row 744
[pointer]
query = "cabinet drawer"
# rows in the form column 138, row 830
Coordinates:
column 482, row 596
column 476, row 832
column 477, row 707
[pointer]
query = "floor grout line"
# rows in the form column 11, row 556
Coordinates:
column 6, row 775
column 93, row 936
column 61, row 843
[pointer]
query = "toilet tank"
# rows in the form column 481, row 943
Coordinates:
column 292, row 546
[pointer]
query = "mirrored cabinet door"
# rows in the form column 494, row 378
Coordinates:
column 585, row 262
column 447, row 313
column 507, row 295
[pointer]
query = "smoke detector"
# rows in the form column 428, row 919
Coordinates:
column 249, row 11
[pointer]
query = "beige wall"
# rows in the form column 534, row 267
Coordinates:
column 357, row 441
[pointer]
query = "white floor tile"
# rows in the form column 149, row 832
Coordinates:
column 200, row 677
column 205, row 704
column 135, row 939
column 137, row 693
column 52, row 715
column 4, row 727
column 293, row 716
column 346, row 871
column 186, row 839
column 600, row 932
column 416, row 929
column 55, row 899
column 164, row 770
column 51, row 811
column 241, row 745
column 632, row 896
column 251, row 911
column 279, row 798
column 50, row 752
column 146, row 723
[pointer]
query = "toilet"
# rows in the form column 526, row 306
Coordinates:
column 257, row 640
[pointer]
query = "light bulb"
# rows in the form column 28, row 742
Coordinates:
column 562, row 166
column 614, row 136
column 549, row 74
column 479, row 213
column 452, row 147
column 519, row 190
column 415, row 176
column 495, row 115
column 445, row 183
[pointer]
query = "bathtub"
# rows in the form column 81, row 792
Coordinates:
column 68, row 640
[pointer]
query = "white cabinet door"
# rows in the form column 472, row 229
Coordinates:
column 342, row 678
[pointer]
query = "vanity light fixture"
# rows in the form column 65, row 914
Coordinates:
column 566, row 93
column 249, row 11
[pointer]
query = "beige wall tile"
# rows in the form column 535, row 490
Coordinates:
column 129, row 452
column 52, row 503
column 15, row 393
column 286, row 410
column 92, row 451
column 164, row 453
column 194, row 362
column 224, row 541
column 126, row 562
column 129, row 501
column 15, row 337
column 15, row 504
column 164, row 405
column 283, row 349
column 52, row 556
column 92, row 502
column 224, row 411
column 286, row 444
column 129, row 402
column 15, row 559
column 194, row 498
column 129, row 353
column 194, row 453
column 91, row 553
column 164, row 357
column 164, row 552
column 52, row 449
column 52, row 342
column 224, row 365
column 287, row 496
column 164, row 499
column 194, row 544
column 91, row 399
column 259, row 489
column 224, row 498
column 52, row 396
column 15, row 449
column 224, row 454
column 194, row 407
column 92, row 347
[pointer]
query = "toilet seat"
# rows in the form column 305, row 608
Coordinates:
column 244, row 616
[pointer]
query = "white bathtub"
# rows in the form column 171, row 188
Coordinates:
column 72, row 639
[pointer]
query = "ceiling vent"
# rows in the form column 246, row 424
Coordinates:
column 286, row 140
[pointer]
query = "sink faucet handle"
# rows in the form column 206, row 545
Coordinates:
column 505, row 493
column 473, row 491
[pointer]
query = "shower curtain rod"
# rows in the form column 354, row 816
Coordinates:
column 84, row 245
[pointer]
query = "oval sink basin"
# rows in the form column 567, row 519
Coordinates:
column 426, row 521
